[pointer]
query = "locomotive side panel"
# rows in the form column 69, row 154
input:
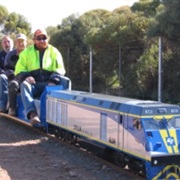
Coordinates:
column 84, row 120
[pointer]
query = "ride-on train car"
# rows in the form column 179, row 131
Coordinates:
column 143, row 135
column 40, row 102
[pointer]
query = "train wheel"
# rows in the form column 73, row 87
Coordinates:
column 119, row 160
column 136, row 166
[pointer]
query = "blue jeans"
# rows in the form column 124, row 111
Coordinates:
column 3, row 91
column 29, row 92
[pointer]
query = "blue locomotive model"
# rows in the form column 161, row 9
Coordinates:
column 143, row 135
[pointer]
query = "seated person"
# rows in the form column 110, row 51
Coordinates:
column 7, row 46
column 9, row 66
column 39, row 65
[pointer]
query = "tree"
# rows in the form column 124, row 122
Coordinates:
column 16, row 23
column 13, row 23
column 3, row 14
column 167, row 25
column 147, row 7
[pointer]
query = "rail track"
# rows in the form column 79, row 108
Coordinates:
column 27, row 153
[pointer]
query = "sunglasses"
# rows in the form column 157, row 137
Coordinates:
column 41, row 38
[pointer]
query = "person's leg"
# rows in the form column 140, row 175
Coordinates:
column 13, row 88
column 3, row 92
column 28, row 92
column 27, row 96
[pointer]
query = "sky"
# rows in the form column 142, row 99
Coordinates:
column 44, row 13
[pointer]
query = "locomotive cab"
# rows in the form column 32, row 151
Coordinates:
column 152, row 135
column 162, row 134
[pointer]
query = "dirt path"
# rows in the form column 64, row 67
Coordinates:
column 26, row 154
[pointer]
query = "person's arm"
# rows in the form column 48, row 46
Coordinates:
column 21, row 72
column 9, row 64
column 59, row 64
column 22, row 76
column 2, row 55
column 58, row 69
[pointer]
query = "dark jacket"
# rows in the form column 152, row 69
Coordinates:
column 9, row 63
column 2, row 59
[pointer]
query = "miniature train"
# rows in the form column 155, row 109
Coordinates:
column 143, row 135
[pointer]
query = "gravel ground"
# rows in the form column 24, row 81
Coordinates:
column 26, row 154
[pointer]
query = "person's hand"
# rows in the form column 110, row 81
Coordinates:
column 51, row 84
column 30, row 80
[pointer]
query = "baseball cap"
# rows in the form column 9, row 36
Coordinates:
column 21, row 36
column 40, row 32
